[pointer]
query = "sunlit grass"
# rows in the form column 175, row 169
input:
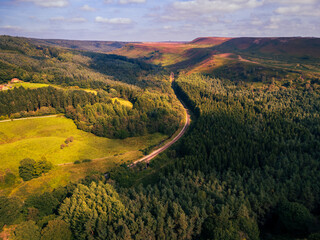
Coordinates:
column 38, row 138
column 123, row 102
column 30, row 85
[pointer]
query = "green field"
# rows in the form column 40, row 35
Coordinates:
column 42, row 137
column 29, row 85
column 42, row 85
column 123, row 102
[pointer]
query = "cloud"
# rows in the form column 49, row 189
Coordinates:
column 10, row 27
column 124, row 1
column 131, row 1
column 113, row 20
column 167, row 27
column 208, row 6
column 87, row 8
column 203, row 11
column 59, row 18
column 63, row 19
column 288, row 10
column 48, row 3
column 299, row 10
column 256, row 22
column 292, row 1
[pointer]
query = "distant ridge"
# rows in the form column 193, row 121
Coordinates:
column 289, row 46
column 93, row 46
column 209, row 40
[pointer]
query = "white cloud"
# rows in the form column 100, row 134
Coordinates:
column 86, row 7
column 299, row 10
column 256, row 22
column 10, row 27
column 113, row 20
column 288, row 10
column 292, row 1
column 125, row 1
column 207, row 6
column 167, row 27
column 63, row 19
column 59, row 18
column 274, row 22
column 209, row 11
column 48, row 3
column 131, row 1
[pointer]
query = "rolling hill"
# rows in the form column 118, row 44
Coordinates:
column 93, row 46
column 209, row 40
column 294, row 46
column 234, row 58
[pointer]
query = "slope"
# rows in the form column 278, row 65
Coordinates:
column 92, row 46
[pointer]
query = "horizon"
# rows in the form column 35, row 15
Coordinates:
column 164, row 41
column 151, row 21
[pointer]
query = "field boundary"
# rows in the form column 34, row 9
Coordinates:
column 26, row 118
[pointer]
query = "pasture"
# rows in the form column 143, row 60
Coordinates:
column 43, row 137
column 39, row 138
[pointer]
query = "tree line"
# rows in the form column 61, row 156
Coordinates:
column 98, row 114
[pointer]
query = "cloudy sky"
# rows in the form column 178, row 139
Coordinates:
column 158, row 20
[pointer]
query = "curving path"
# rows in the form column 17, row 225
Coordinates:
column 167, row 145
column 159, row 150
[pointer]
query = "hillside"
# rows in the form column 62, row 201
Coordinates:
column 107, row 98
column 92, row 46
column 298, row 47
column 246, row 168
column 209, row 40
column 170, row 53
column 302, row 48
column 235, row 59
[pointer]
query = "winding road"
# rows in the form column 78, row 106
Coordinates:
column 167, row 145
column 159, row 150
column 145, row 158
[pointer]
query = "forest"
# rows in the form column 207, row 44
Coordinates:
column 95, row 113
column 248, row 167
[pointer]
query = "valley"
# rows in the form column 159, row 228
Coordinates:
column 97, row 141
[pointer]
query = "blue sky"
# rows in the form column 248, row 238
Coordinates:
column 158, row 20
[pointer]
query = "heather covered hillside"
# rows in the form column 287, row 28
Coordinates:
column 236, row 59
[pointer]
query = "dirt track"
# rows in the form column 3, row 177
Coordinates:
column 166, row 146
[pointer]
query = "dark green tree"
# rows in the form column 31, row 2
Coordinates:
column 10, row 210
column 27, row 169
column 295, row 217
column 27, row 230
column 56, row 230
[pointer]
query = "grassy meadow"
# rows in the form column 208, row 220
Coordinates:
column 42, row 138
column 124, row 102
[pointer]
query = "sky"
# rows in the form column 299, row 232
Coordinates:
column 158, row 20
